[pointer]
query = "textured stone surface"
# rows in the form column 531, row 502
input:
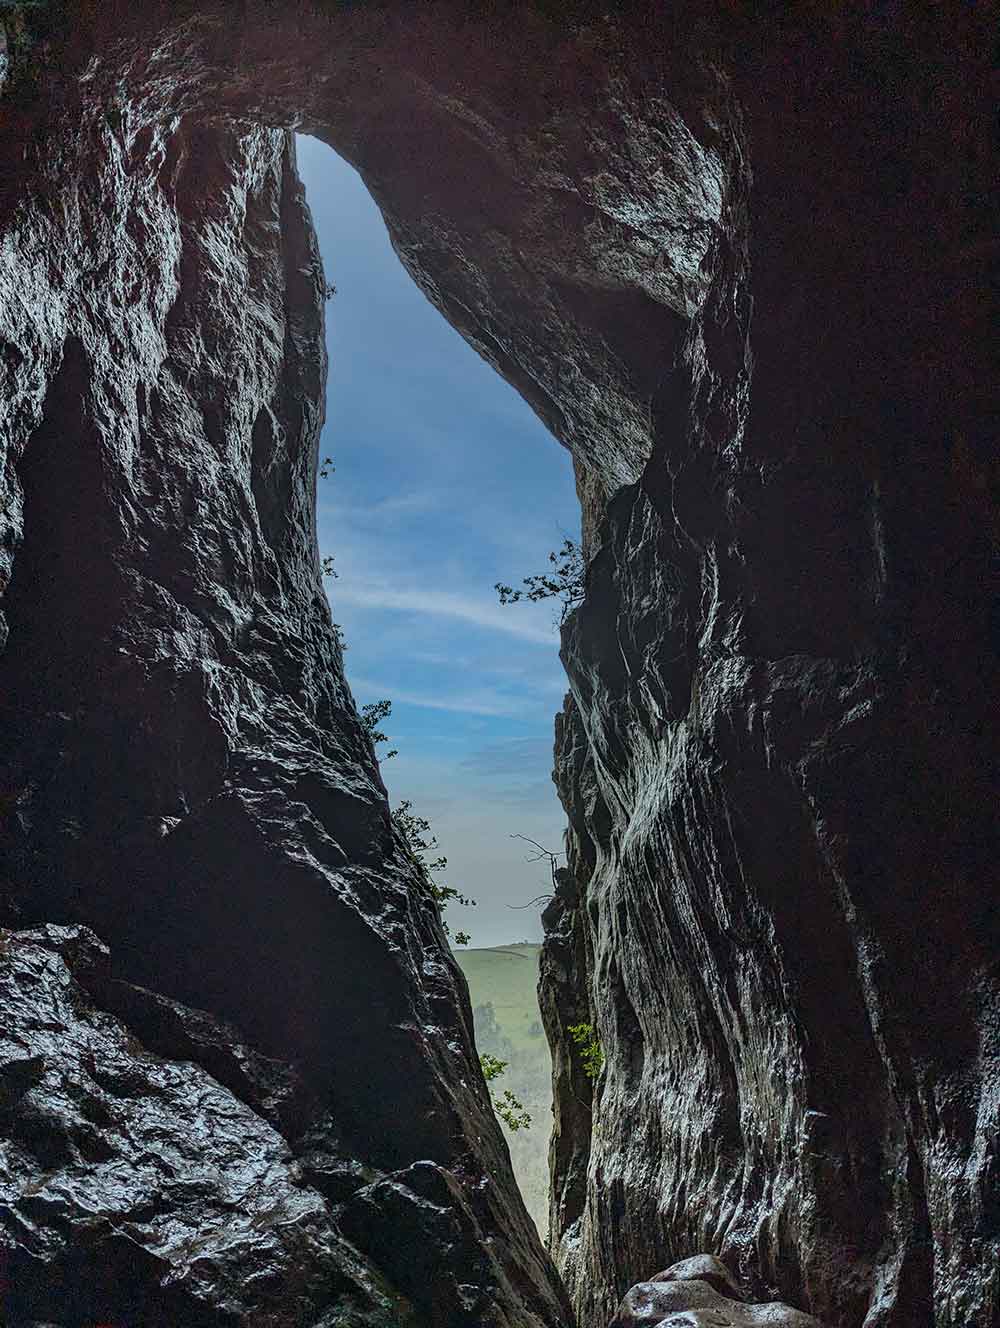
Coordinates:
column 700, row 1292
column 182, row 767
column 775, row 755
column 702, row 1268
column 734, row 266
column 694, row 1304
column 138, row 1189
column 135, row 1186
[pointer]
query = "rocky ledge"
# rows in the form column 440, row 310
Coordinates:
column 156, row 1170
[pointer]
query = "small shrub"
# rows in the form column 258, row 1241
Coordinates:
column 371, row 716
column 508, row 1107
column 589, row 1049
column 416, row 830
column 420, row 840
column 493, row 1066
column 566, row 582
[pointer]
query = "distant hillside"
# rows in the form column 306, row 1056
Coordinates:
column 508, row 1024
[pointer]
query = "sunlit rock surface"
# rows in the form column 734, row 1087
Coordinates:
column 135, row 1187
column 700, row 1292
column 702, row 1268
column 697, row 1305
column 734, row 266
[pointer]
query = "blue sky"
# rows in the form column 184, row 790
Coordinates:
column 445, row 483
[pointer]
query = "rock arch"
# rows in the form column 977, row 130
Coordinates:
column 688, row 238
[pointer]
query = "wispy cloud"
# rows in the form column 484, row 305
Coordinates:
column 444, row 484
column 516, row 756
column 483, row 702
column 386, row 509
column 442, row 604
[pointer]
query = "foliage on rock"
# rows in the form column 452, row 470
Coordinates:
column 420, row 840
column 566, row 582
column 508, row 1106
column 372, row 715
column 589, row 1048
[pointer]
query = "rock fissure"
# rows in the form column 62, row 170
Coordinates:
column 732, row 263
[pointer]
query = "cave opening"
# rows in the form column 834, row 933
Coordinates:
column 776, row 760
column 436, row 482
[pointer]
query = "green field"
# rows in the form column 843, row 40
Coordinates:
column 508, row 1025
column 506, row 976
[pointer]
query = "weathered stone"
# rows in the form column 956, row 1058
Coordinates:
column 773, row 758
column 690, row 1303
column 702, row 1268
column 421, row 1226
column 735, row 266
column 138, row 1189
column 271, row 1087
column 182, row 764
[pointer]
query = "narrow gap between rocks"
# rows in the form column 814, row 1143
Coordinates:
column 436, row 482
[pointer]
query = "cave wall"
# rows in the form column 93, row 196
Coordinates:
column 775, row 753
column 263, row 1105
column 733, row 264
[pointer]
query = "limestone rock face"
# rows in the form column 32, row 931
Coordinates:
column 700, row 1292
column 137, row 1187
column 781, row 921
column 733, row 264
column 184, row 771
column 693, row 1304
column 702, row 1268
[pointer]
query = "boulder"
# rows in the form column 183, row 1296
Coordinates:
column 692, row 1303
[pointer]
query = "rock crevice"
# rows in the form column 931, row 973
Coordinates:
column 733, row 264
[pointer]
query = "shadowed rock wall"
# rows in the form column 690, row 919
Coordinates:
column 183, row 771
column 775, row 755
column 733, row 265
